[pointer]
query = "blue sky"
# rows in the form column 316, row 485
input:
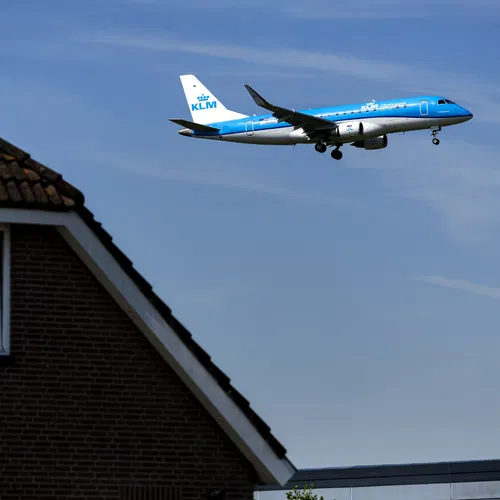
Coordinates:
column 354, row 303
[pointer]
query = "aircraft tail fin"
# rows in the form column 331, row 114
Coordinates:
column 205, row 108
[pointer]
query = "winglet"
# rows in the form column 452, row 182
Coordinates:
column 259, row 100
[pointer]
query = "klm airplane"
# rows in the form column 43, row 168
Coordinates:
column 365, row 125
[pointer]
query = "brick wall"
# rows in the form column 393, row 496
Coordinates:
column 88, row 405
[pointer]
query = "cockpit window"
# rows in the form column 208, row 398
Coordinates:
column 441, row 101
column 449, row 102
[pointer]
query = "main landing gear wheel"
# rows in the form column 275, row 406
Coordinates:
column 320, row 147
column 337, row 154
column 435, row 141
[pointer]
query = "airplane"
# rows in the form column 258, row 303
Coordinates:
column 364, row 125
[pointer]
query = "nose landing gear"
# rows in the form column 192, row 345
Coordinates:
column 435, row 131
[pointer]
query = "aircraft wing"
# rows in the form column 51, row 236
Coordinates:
column 309, row 123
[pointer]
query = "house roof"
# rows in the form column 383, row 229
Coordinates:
column 371, row 476
column 26, row 183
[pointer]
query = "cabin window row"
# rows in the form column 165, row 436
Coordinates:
column 366, row 111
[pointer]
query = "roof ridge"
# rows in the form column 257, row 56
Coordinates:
column 13, row 154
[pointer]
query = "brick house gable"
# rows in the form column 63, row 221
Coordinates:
column 33, row 194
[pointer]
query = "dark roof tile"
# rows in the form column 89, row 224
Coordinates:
column 13, row 192
column 5, row 172
column 26, row 192
column 4, row 196
column 31, row 175
column 18, row 173
column 26, row 183
column 39, row 194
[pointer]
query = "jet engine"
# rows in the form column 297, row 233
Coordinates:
column 356, row 129
column 348, row 129
column 373, row 143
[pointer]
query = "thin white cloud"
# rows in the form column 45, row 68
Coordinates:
column 322, row 10
column 447, row 180
column 457, row 181
column 484, row 99
column 463, row 285
column 209, row 298
column 217, row 176
column 387, row 9
column 261, row 74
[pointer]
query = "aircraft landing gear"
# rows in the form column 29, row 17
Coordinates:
column 435, row 131
column 320, row 147
column 337, row 154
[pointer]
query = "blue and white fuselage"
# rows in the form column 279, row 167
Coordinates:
column 364, row 125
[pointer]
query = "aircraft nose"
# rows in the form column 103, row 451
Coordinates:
column 466, row 114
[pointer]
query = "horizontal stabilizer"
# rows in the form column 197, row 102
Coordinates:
column 198, row 127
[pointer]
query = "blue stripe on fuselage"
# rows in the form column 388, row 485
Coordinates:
column 397, row 108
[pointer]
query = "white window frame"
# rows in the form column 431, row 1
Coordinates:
column 5, row 290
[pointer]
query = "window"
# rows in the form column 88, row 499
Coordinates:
column 441, row 101
column 449, row 102
column 4, row 290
